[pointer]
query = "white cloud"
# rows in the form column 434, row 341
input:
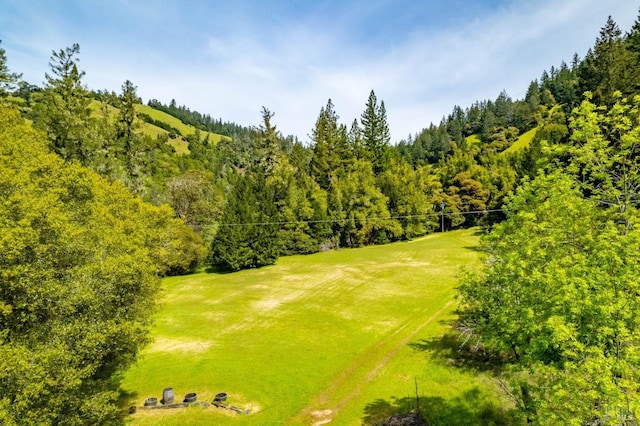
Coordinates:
column 292, row 66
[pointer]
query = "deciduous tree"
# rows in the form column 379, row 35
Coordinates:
column 79, row 266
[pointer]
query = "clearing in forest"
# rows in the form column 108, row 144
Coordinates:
column 338, row 337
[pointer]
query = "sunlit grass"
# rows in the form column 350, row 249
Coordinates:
column 174, row 122
column 521, row 143
column 179, row 143
column 332, row 336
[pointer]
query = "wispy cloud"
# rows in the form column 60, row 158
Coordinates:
column 229, row 60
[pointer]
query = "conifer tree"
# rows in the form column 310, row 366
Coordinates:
column 269, row 153
column 354, row 140
column 7, row 79
column 606, row 68
column 130, row 142
column 64, row 113
column 632, row 43
column 248, row 237
column 375, row 134
column 331, row 152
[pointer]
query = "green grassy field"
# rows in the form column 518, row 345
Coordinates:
column 185, row 129
column 340, row 337
column 179, row 144
column 521, row 143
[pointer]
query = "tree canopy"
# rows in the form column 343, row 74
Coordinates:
column 80, row 260
column 559, row 292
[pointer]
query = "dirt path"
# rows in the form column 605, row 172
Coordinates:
column 322, row 410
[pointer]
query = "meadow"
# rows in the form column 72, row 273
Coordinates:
column 523, row 142
column 180, row 144
column 343, row 337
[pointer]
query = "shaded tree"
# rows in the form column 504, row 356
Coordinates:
column 248, row 234
column 409, row 194
column 367, row 218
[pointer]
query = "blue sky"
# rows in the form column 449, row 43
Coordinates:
column 228, row 59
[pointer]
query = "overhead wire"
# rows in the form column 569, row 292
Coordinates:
column 298, row 222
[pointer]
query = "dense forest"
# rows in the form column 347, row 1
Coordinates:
column 94, row 210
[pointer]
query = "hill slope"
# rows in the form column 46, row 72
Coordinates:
column 179, row 143
column 521, row 143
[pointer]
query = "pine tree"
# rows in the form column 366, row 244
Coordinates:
column 269, row 153
column 606, row 68
column 8, row 80
column 64, row 113
column 354, row 140
column 331, row 151
column 248, row 237
column 632, row 43
column 375, row 134
column 129, row 141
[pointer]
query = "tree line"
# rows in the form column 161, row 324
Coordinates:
column 349, row 187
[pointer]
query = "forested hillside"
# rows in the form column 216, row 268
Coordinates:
column 563, row 159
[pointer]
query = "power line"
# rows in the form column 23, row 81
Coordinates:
column 298, row 222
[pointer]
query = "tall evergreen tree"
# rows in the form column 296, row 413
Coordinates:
column 632, row 43
column 331, row 151
column 64, row 113
column 129, row 140
column 354, row 140
column 605, row 68
column 248, row 235
column 375, row 134
column 8, row 80
column 269, row 154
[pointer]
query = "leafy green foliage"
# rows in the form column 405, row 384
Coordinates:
column 367, row 218
column 412, row 194
column 79, row 262
column 559, row 293
column 257, row 195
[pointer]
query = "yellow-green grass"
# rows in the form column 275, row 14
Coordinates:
column 338, row 336
column 174, row 122
column 521, row 143
column 179, row 144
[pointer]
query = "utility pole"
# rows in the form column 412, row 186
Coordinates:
column 442, row 214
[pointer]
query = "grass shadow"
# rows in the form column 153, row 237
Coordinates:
column 448, row 349
column 217, row 269
column 126, row 400
column 469, row 409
